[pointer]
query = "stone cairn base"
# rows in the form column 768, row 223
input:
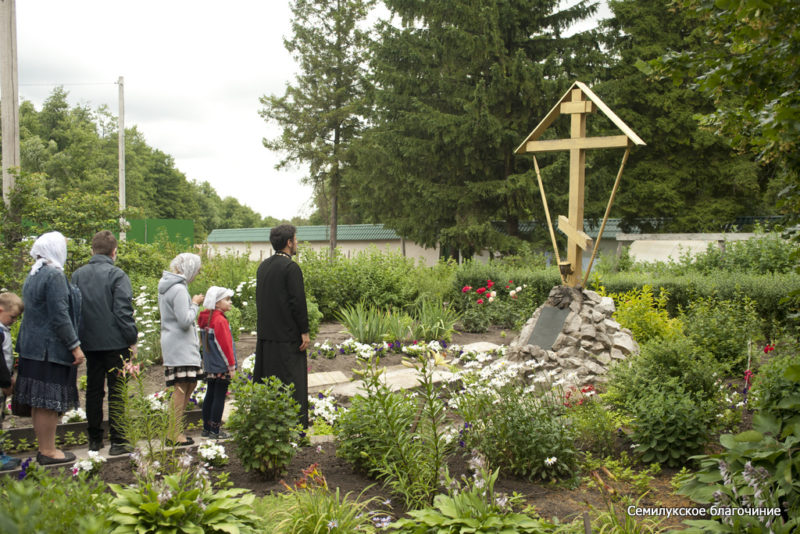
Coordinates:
column 590, row 340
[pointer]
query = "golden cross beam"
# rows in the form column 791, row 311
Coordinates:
column 577, row 107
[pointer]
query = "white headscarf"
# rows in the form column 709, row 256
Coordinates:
column 186, row 264
column 50, row 249
column 214, row 294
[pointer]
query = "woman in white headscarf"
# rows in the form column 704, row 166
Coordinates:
column 49, row 347
column 179, row 344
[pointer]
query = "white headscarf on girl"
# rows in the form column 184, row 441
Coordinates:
column 49, row 249
column 186, row 264
column 214, row 294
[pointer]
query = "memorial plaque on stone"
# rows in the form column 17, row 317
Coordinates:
column 548, row 326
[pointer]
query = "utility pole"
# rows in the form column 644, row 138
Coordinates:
column 121, row 139
column 9, row 112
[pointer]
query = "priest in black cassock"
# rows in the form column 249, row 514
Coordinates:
column 283, row 334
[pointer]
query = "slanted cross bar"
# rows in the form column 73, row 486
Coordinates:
column 577, row 107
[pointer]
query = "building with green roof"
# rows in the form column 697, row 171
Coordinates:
column 350, row 238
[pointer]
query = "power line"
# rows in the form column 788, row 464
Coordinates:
column 71, row 84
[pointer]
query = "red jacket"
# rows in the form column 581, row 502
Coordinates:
column 222, row 332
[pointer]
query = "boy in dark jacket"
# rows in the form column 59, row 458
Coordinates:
column 108, row 336
column 219, row 358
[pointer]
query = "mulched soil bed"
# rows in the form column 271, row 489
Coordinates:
column 550, row 500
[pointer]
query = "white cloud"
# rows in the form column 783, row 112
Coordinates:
column 193, row 70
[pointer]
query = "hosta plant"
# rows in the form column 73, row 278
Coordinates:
column 471, row 505
column 754, row 471
column 182, row 502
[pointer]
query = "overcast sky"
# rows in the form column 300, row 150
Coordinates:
column 194, row 71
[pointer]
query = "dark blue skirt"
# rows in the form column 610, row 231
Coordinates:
column 43, row 384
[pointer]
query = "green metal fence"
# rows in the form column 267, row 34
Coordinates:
column 148, row 230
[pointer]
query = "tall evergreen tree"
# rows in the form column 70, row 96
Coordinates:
column 458, row 86
column 321, row 112
column 686, row 179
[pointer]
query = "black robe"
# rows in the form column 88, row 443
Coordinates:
column 282, row 318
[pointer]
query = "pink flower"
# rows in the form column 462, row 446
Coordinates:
column 480, row 301
column 489, row 283
column 481, row 290
column 466, row 289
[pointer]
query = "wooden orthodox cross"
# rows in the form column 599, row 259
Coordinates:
column 577, row 102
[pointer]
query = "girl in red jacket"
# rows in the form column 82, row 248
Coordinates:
column 219, row 358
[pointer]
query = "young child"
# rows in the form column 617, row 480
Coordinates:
column 219, row 358
column 11, row 308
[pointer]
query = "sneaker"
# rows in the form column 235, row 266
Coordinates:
column 8, row 462
column 220, row 435
column 119, row 448
column 95, row 444
column 206, row 433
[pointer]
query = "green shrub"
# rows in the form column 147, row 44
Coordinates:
column 766, row 290
column 397, row 437
column 520, row 432
column 314, row 316
column 264, row 425
column 775, row 392
column 383, row 279
column 725, row 328
column 667, row 364
column 224, row 270
column 536, row 281
column 52, row 501
column 505, row 304
column 475, row 320
column 182, row 502
column 644, row 314
column 670, row 425
column 594, row 425
column 764, row 253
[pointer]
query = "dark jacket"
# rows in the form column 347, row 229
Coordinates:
column 5, row 372
column 48, row 331
column 281, row 300
column 107, row 308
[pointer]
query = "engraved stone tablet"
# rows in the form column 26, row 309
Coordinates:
column 548, row 326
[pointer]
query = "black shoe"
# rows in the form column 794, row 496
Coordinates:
column 206, row 433
column 119, row 448
column 49, row 460
column 95, row 444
